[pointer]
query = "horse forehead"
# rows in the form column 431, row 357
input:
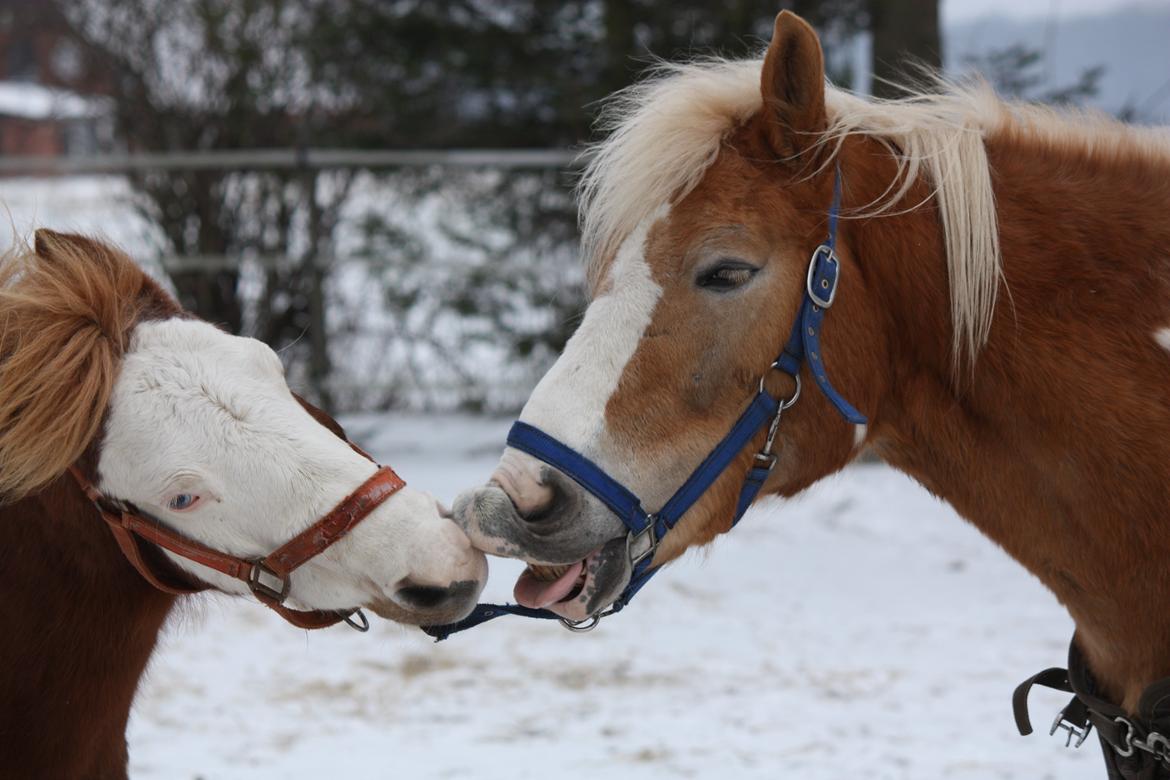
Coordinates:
column 184, row 349
column 733, row 200
column 192, row 395
column 722, row 213
column 179, row 371
column 178, row 337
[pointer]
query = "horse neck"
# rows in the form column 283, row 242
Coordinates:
column 80, row 626
column 1057, row 445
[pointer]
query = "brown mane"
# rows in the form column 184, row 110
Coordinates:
column 67, row 307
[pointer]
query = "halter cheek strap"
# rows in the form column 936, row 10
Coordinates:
column 820, row 291
column 269, row 578
column 646, row 530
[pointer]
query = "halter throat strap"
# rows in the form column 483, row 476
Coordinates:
column 646, row 530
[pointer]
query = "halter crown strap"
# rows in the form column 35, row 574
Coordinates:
column 804, row 342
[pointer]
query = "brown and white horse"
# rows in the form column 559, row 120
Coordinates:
column 1003, row 320
column 198, row 430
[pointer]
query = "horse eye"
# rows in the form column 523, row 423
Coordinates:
column 726, row 276
column 182, row 501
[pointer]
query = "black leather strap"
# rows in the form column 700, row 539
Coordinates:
column 1126, row 739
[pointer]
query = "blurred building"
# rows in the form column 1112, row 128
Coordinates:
column 50, row 105
column 43, row 121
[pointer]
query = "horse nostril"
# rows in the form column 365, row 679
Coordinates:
column 423, row 596
column 429, row 598
column 553, row 505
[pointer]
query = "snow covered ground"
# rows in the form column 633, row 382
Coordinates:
column 862, row 630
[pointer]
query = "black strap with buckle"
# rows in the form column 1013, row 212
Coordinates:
column 1136, row 747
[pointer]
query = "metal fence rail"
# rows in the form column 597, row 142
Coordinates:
column 286, row 159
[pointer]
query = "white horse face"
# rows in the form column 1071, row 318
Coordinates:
column 203, row 433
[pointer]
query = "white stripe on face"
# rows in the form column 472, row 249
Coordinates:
column 569, row 402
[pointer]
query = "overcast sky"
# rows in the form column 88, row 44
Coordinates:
column 964, row 10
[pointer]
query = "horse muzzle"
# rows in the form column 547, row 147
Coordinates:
column 575, row 547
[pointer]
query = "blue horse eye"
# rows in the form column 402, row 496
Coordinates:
column 181, row 501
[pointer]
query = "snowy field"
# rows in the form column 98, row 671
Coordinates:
column 860, row 631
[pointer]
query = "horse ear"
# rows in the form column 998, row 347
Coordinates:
column 51, row 245
column 793, row 86
column 45, row 242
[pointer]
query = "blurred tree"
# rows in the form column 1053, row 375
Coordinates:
column 1017, row 71
column 193, row 75
column 512, row 73
column 906, row 36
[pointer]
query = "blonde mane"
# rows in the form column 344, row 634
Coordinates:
column 664, row 132
column 66, row 310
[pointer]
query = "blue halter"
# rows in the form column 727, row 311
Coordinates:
column 646, row 530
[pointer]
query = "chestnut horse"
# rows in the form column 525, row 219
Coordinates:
column 1003, row 321
column 196, row 429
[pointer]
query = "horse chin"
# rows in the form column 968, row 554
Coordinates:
column 606, row 573
column 388, row 610
column 447, row 605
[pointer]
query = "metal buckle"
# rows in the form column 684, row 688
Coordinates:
column 265, row 582
column 644, row 537
column 826, row 252
column 1129, row 743
column 1079, row 733
column 768, row 458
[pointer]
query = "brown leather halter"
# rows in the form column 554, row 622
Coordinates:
column 269, row 578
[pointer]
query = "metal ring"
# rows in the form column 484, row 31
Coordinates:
column 784, row 404
column 795, row 394
column 361, row 623
column 581, row 626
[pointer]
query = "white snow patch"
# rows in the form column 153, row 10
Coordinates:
column 33, row 101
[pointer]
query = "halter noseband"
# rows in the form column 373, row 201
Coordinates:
column 269, row 578
column 646, row 530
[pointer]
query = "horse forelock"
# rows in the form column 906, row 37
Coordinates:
column 67, row 307
column 665, row 132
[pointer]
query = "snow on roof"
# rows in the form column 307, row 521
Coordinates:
column 35, row 101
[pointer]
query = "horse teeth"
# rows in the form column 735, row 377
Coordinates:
column 548, row 573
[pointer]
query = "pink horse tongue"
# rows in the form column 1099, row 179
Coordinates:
column 531, row 592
